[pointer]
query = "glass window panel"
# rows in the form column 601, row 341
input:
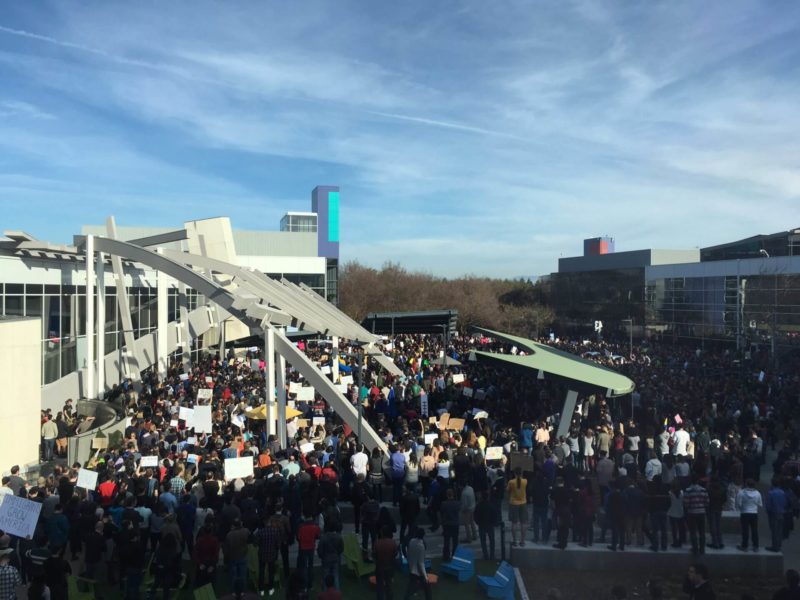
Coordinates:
column 34, row 288
column 14, row 288
column 14, row 306
column 52, row 289
column 33, row 306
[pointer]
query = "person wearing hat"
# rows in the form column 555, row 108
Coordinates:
column 9, row 575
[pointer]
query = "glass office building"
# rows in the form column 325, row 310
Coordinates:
column 750, row 301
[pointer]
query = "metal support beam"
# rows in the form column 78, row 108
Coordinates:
column 343, row 407
column 130, row 363
column 161, row 238
column 89, row 391
column 100, row 269
column 335, row 358
column 280, row 375
column 566, row 413
column 162, row 323
column 269, row 377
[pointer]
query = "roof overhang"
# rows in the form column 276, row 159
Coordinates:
column 579, row 373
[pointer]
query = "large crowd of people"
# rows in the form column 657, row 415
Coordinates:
column 657, row 469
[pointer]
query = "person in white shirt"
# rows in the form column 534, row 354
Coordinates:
column 748, row 503
column 359, row 462
column 663, row 442
column 680, row 442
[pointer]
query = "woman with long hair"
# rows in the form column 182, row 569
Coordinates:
column 518, row 507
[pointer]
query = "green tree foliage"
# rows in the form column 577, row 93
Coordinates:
column 514, row 306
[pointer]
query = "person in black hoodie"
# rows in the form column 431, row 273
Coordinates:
column 717, row 496
column 485, row 519
column 409, row 511
column 615, row 514
column 657, row 506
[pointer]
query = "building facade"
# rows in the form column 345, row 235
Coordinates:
column 52, row 285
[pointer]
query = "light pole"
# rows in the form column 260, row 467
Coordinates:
column 358, row 393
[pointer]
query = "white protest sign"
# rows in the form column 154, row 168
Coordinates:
column 183, row 376
column 481, row 414
column 238, row 468
column 458, row 378
column 306, row 394
column 87, row 479
column 430, row 437
column 192, row 458
column 306, row 448
column 18, row 516
column 467, row 392
column 326, row 370
column 294, row 387
column 348, row 379
column 174, row 423
column 209, row 379
column 186, row 414
column 239, row 421
column 149, row 461
column 342, row 387
column 202, row 419
column 494, row 453
column 204, row 394
column 192, row 441
column 318, row 421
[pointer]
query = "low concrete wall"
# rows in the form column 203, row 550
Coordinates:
column 110, row 420
column 597, row 558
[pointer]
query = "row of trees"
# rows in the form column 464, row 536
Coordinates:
column 513, row 306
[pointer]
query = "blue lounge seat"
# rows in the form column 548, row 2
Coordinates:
column 462, row 565
column 502, row 584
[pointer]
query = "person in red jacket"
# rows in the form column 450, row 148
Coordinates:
column 308, row 533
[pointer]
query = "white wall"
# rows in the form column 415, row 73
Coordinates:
column 20, row 402
column 284, row 264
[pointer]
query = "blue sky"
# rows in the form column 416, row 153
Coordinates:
column 467, row 137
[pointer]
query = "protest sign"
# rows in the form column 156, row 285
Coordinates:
column 306, row 394
column 173, row 423
column 294, row 387
column 318, row 421
column 455, row 424
column 467, row 392
column 342, row 387
column 481, row 414
column 430, row 437
column 348, row 379
column 87, row 479
column 187, row 415
column 183, row 376
column 18, row 516
column 458, row 378
column 204, row 394
column 239, row 421
column 192, row 441
column 494, row 453
column 443, row 420
column 149, row 461
column 306, row 448
column 480, row 395
column 254, row 364
column 238, row 468
column 209, row 379
column 193, row 458
column 202, row 419
column 100, row 443
column 301, row 423
column 326, row 370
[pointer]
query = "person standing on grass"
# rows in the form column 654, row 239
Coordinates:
column 748, row 502
column 517, row 507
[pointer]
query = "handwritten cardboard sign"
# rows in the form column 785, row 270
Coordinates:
column 18, row 516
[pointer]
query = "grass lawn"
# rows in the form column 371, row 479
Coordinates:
column 352, row 589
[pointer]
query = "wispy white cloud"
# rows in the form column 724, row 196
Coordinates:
column 500, row 135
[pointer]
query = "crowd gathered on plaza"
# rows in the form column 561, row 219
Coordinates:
column 658, row 469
